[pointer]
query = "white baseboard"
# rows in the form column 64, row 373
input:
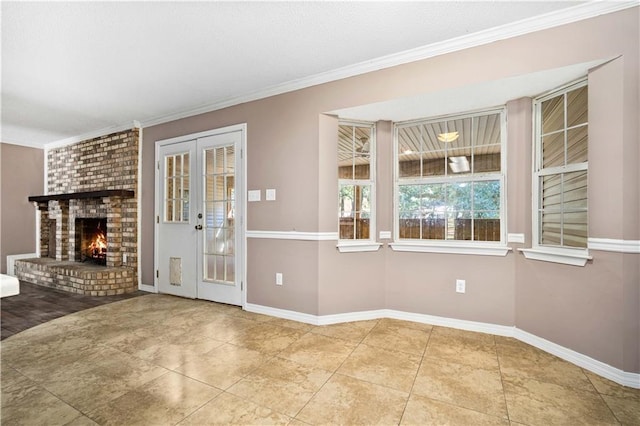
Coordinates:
column 147, row 288
column 600, row 368
column 11, row 261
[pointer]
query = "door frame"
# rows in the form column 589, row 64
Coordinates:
column 241, row 268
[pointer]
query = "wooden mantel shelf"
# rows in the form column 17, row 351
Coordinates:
column 122, row 193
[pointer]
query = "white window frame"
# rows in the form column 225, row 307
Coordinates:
column 483, row 248
column 557, row 254
column 370, row 244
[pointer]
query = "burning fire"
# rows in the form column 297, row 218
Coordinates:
column 98, row 246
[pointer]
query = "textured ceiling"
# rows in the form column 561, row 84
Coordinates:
column 73, row 68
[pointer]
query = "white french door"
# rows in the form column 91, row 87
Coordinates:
column 200, row 237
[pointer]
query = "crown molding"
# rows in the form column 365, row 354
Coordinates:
column 514, row 29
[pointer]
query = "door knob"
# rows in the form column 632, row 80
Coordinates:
column 198, row 227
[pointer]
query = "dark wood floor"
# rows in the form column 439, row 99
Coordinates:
column 36, row 305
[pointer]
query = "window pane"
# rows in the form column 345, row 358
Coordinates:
column 433, row 164
column 230, row 159
column 461, row 225
column 574, row 229
column 354, row 152
column 577, row 106
column 459, row 197
column 409, row 146
column 347, row 200
column 550, row 228
column 486, row 130
column 553, row 114
column 460, row 164
column 553, row 150
column 577, row 145
column 410, row 200
column 457, row 137
column 486, row 226
column 486, row 159
column 551, row 192
column 575, row 191
column 486, row 197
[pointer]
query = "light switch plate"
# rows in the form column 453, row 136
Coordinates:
column 385, row 235
column 270, row 194
column 254, row 195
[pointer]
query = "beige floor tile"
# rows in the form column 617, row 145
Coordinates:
column 297, row 325
column 26, row 403
column 318, row 351
column 425, row 411
column 391, row 322
column 395, row 335
column 240, row 313
column 627, row 411
column 223, row 327
column 463, row 349
column 385, row 367
column 162, row 401
column 281, row 385
column 267, row 338
column 344, row 400
column 527, row 361
column 462, row 385
column 352, row 331
column 228, row 409
column 82, row 421
column 173, row 351
column 223, row 366
column 607, row 387
column 91, row 389
column 454, row 333
column 534, row 402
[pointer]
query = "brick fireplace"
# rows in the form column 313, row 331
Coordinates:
column 90, row 184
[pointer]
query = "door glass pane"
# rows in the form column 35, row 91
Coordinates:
column 219, row 214
column 176, row 192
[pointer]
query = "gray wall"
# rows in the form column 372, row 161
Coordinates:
column 21, row 175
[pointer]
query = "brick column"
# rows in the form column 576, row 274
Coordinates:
column 43, row 212
column 62, row 231
column 114, row 231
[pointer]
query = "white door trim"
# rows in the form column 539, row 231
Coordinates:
column 242, row 193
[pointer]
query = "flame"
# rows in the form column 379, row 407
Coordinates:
column 99, row 243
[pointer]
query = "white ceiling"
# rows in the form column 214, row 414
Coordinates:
column 72, row 69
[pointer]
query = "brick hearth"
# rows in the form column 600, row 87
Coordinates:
column 76, row 277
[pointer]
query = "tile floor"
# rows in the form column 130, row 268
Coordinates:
column 159, row 360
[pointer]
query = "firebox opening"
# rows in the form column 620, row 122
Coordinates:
column 91, row 240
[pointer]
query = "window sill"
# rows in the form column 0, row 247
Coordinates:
column 557, row 255
column 452, row 248
column 357, row 246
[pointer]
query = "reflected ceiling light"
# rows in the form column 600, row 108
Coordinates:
column 448, row 137
column 407, row 151
column 459, row 164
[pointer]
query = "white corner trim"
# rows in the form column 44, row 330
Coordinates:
column 609, row 244
column 482, row 250
column 11, row 261
column 358, row 246
column 538, row 23
column 566, row 257
column 515, row 238
column 600, row 368
column 293, row 235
